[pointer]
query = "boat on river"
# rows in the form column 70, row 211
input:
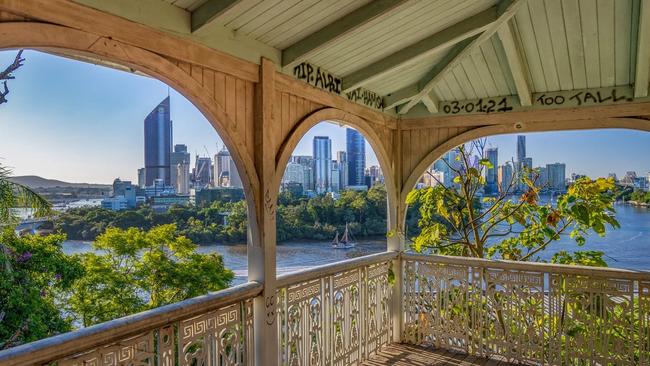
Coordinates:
column 346, row 241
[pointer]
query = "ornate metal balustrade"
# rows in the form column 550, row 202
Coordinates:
column 337, row 314
column 532, row 313
column 215, row 329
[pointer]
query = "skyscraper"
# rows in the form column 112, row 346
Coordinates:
column 225, row 171
column 556, row 174
column 322, row 163
column 183, row 178
column 158, row 144
column 342, row 160
column 491, row 181
column 521, row 148
column 180, row 157
column 356, row 149
column 505, row 178
column 202, row 172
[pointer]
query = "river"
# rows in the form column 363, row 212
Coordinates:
column 627, row 247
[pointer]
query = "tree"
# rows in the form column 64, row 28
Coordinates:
column 7, row 74
column 12, row 194
column 456, row 221
column 35, row 272
column 136, row 270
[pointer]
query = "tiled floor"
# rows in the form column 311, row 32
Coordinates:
column 407, row 355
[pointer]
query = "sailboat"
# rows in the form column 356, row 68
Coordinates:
column 346, row 240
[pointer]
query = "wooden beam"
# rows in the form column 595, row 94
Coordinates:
column 641, row 78
column 517, row 65
column 401, row 96
column 299, row 51
column 637, row 108
column 428, row 46
column 431, row 102
column 102, row 23
column 209, row 12
column 436, row 71
column 506, row 9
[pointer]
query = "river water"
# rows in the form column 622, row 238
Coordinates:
column 627, row 247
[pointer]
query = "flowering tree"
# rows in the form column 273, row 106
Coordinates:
column 456, row 220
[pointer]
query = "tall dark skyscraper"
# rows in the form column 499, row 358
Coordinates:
column 356, row 149
column 158, row 144
column 322, row 163
column 521, row 148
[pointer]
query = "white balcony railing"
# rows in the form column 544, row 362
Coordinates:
column 530, row 313
column 336, row 314
column 215, row 329
column 340, row 314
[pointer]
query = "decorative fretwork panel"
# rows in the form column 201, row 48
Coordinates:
column 338, row 319
column 219, row 338
column 591, row 319
column 527, row 314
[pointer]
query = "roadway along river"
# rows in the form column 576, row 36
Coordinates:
column 627, row 247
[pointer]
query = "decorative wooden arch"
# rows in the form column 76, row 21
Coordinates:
column 73, row 42
column 492, row 130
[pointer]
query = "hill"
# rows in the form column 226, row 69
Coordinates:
column 34, row 181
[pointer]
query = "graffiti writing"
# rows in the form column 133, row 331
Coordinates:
column 486, row 106
column 583, row 97
column 366, row 97
column 317, row 77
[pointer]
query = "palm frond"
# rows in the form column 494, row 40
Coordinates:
column 15, row 195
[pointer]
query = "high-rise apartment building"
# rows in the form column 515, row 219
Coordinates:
column 225, row 171
column 307, row 163
column 294, row 173
column 342, row 160
column 202, row 172
column 356, row 154
column 181, row 157
column 505, row 178
column 158, row 144
column 521, row 148
column 322, row 154
column 335, row 185
column 444, row 165
column 183, row 178
column 491, row 181
column 141, row 178
column 556, row 174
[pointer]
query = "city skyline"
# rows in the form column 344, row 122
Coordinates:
column 72, row 93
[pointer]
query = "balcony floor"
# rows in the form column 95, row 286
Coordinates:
column 408, row 355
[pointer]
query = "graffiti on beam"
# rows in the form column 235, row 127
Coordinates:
column 322, row 79
column 566, row 99
column 366, row 97
column 486, row 106
column 317, row 77
column 585, row 97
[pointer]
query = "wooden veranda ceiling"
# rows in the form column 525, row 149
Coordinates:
column 430, row 56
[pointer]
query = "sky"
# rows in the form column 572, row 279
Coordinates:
column 79, row 122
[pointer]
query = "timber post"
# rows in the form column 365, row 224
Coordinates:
column 262, row 238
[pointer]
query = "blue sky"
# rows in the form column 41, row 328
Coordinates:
column 79, row 122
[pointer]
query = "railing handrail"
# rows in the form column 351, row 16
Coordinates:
column 531, row 266
column 66, row 344
column 291, row 278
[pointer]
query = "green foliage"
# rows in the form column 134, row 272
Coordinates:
column 298, row 217
column 454, row 221
column 135, row 270
column 640, row 197
column 34, row 273
column 13, row 195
